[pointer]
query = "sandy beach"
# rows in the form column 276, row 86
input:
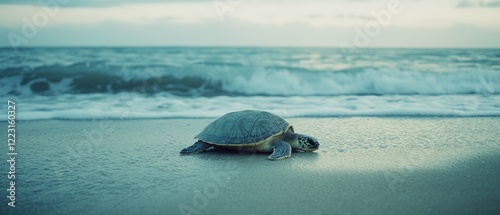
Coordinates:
column 364, row 166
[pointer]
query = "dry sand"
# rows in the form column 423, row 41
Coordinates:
column 363, row 166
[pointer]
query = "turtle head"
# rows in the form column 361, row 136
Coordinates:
column 305, row 143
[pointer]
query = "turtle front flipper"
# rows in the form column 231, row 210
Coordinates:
column 281, row 150
column 196, row 148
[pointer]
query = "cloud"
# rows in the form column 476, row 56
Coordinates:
column 316, row 13
column 320, row 14
column 91, row 3
column 470, row 4
column 465, row 4
column 189, row 12
column 316, row 16
column 253, row 23
column 237, row 33
column 212, row 33
column 354, row 16
column 490, row 4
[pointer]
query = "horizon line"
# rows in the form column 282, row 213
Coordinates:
column 240, row 46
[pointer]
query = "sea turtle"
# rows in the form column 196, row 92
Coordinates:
column 252, row 130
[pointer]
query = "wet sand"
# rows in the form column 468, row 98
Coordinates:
column 363, row 166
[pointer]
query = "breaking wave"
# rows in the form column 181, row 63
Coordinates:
column 237, row 80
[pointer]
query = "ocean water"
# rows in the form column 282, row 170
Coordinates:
column 172, row 82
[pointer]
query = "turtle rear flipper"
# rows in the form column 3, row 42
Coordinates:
column 196, row 148
column 281, row 150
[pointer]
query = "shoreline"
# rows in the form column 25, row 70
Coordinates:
column 417, row 117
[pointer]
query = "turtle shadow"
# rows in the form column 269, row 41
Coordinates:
column 223, row 153
column 218, row 154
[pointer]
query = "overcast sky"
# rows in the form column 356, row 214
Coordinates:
column 401, row 23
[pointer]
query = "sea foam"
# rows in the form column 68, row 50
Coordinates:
column 135, row 106
column 249, row 81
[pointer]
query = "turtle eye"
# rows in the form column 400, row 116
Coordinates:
column 312, row 142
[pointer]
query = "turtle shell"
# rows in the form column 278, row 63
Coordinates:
column 243, row 128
